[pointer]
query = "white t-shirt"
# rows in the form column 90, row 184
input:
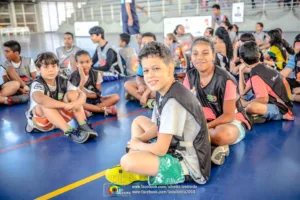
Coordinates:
column 32, row 67
column 38, row 87
column 99, row 81
column 177, row 121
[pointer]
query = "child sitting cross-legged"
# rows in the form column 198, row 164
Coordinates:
column 89, row 81
column 54, row 101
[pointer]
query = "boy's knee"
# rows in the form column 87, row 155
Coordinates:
column 129, row 85
column 223, row 136
column 71, row 96
column 16, row 85
column 38, row 111
column 116, row 97
column 138, row 120
column 252, row 108
column 126, row 163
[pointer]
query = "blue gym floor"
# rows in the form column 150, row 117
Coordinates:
column 265, row 165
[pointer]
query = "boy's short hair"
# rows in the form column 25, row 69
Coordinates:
column 249, row 52
column 156, row 49
column 13, row 45
column 149, row 34
column 246, row 37
column 80, row 53
column 46, row 58
column 125, row 37
column 97, row 30
column 69, row 33
column 211, row 30
column 216, row 6
column 261, row 24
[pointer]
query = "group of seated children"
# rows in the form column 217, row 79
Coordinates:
column 192, row 123
column 174, row 146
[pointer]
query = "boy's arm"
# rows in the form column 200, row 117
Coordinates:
column 286, row 72
column 141, row 8
column 93, row 95
column 5, row 78
column 43, row 100
column 227, row 116
column 159, row 148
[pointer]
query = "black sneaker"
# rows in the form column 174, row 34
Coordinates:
column 257, row 119
column 129, row 97
column 88, row 128
column 78, row 136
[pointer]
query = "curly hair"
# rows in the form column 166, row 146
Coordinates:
column 223, row 35
column 156, row 49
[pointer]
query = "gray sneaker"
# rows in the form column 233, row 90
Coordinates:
column 78, row 136
column 218, row 155
column 129, row 97
column 88, row 128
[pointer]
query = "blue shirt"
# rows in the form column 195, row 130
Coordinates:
column 291, row 65
column 140, row 71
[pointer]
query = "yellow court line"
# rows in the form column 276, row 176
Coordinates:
column 71, row 186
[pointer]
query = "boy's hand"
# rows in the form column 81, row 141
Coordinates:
column 134, row 144
column 142, row 88
column 81, row 72
column 69, row 106
column 77, row 105
column 23, row 91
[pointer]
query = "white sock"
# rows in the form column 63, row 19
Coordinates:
column 293, row 97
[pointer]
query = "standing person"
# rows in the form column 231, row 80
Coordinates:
column 260, row 35
column 129, row 16
column 217, row 17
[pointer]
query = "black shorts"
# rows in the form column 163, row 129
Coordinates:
column 293, row 83
column 93, row 101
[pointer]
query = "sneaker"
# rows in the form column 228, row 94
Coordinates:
column 30, row 129
column 88, row 128
column 78, row 136
column 18, row 99
column 127, row 148
column 110, row 110
column 118, row 176
column 129, row 97
column 257, row 119
column 219, row 153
